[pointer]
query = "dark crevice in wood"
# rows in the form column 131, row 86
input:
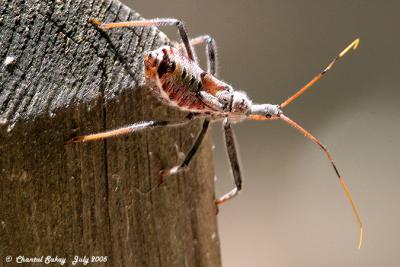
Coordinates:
column 106, row 158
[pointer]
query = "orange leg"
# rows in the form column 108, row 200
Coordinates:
column 126, row 130
column 147, row 23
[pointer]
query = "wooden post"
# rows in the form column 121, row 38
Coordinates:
column 60, row 77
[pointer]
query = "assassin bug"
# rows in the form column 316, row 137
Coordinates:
column 176, row 79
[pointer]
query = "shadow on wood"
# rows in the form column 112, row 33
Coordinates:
column 60, row 78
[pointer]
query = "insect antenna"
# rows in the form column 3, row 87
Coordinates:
column 341, row 180
column 353, row 46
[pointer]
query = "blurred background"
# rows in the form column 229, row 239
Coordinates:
column 292, row 211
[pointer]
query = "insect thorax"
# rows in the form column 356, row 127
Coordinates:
column 180, row 82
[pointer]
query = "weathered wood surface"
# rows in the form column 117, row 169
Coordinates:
column 59, row 77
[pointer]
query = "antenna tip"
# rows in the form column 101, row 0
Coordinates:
column 356, row 42
column 361, row 238
column 353, row 46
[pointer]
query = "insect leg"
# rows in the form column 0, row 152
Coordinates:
column 233, row 159
column 148, row 23
column 211, row 51
column 128, row 130
column 189, row 156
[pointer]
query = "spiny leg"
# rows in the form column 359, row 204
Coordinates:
column 234, row 161
column 189, row 156
column 233, row 158
column 128, row 130
column 148, row 23
column 353, row 45
column 211, row 51
column 328, row 155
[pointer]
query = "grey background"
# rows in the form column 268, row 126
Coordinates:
column 292, row 211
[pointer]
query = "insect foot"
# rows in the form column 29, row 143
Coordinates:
column 168, row 172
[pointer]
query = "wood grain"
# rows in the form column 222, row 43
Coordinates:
column 59, row 78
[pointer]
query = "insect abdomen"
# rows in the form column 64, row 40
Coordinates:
column 180, row 81
column 175, row 79
column 183, row 92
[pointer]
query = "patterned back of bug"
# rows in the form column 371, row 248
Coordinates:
column 174, row 79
